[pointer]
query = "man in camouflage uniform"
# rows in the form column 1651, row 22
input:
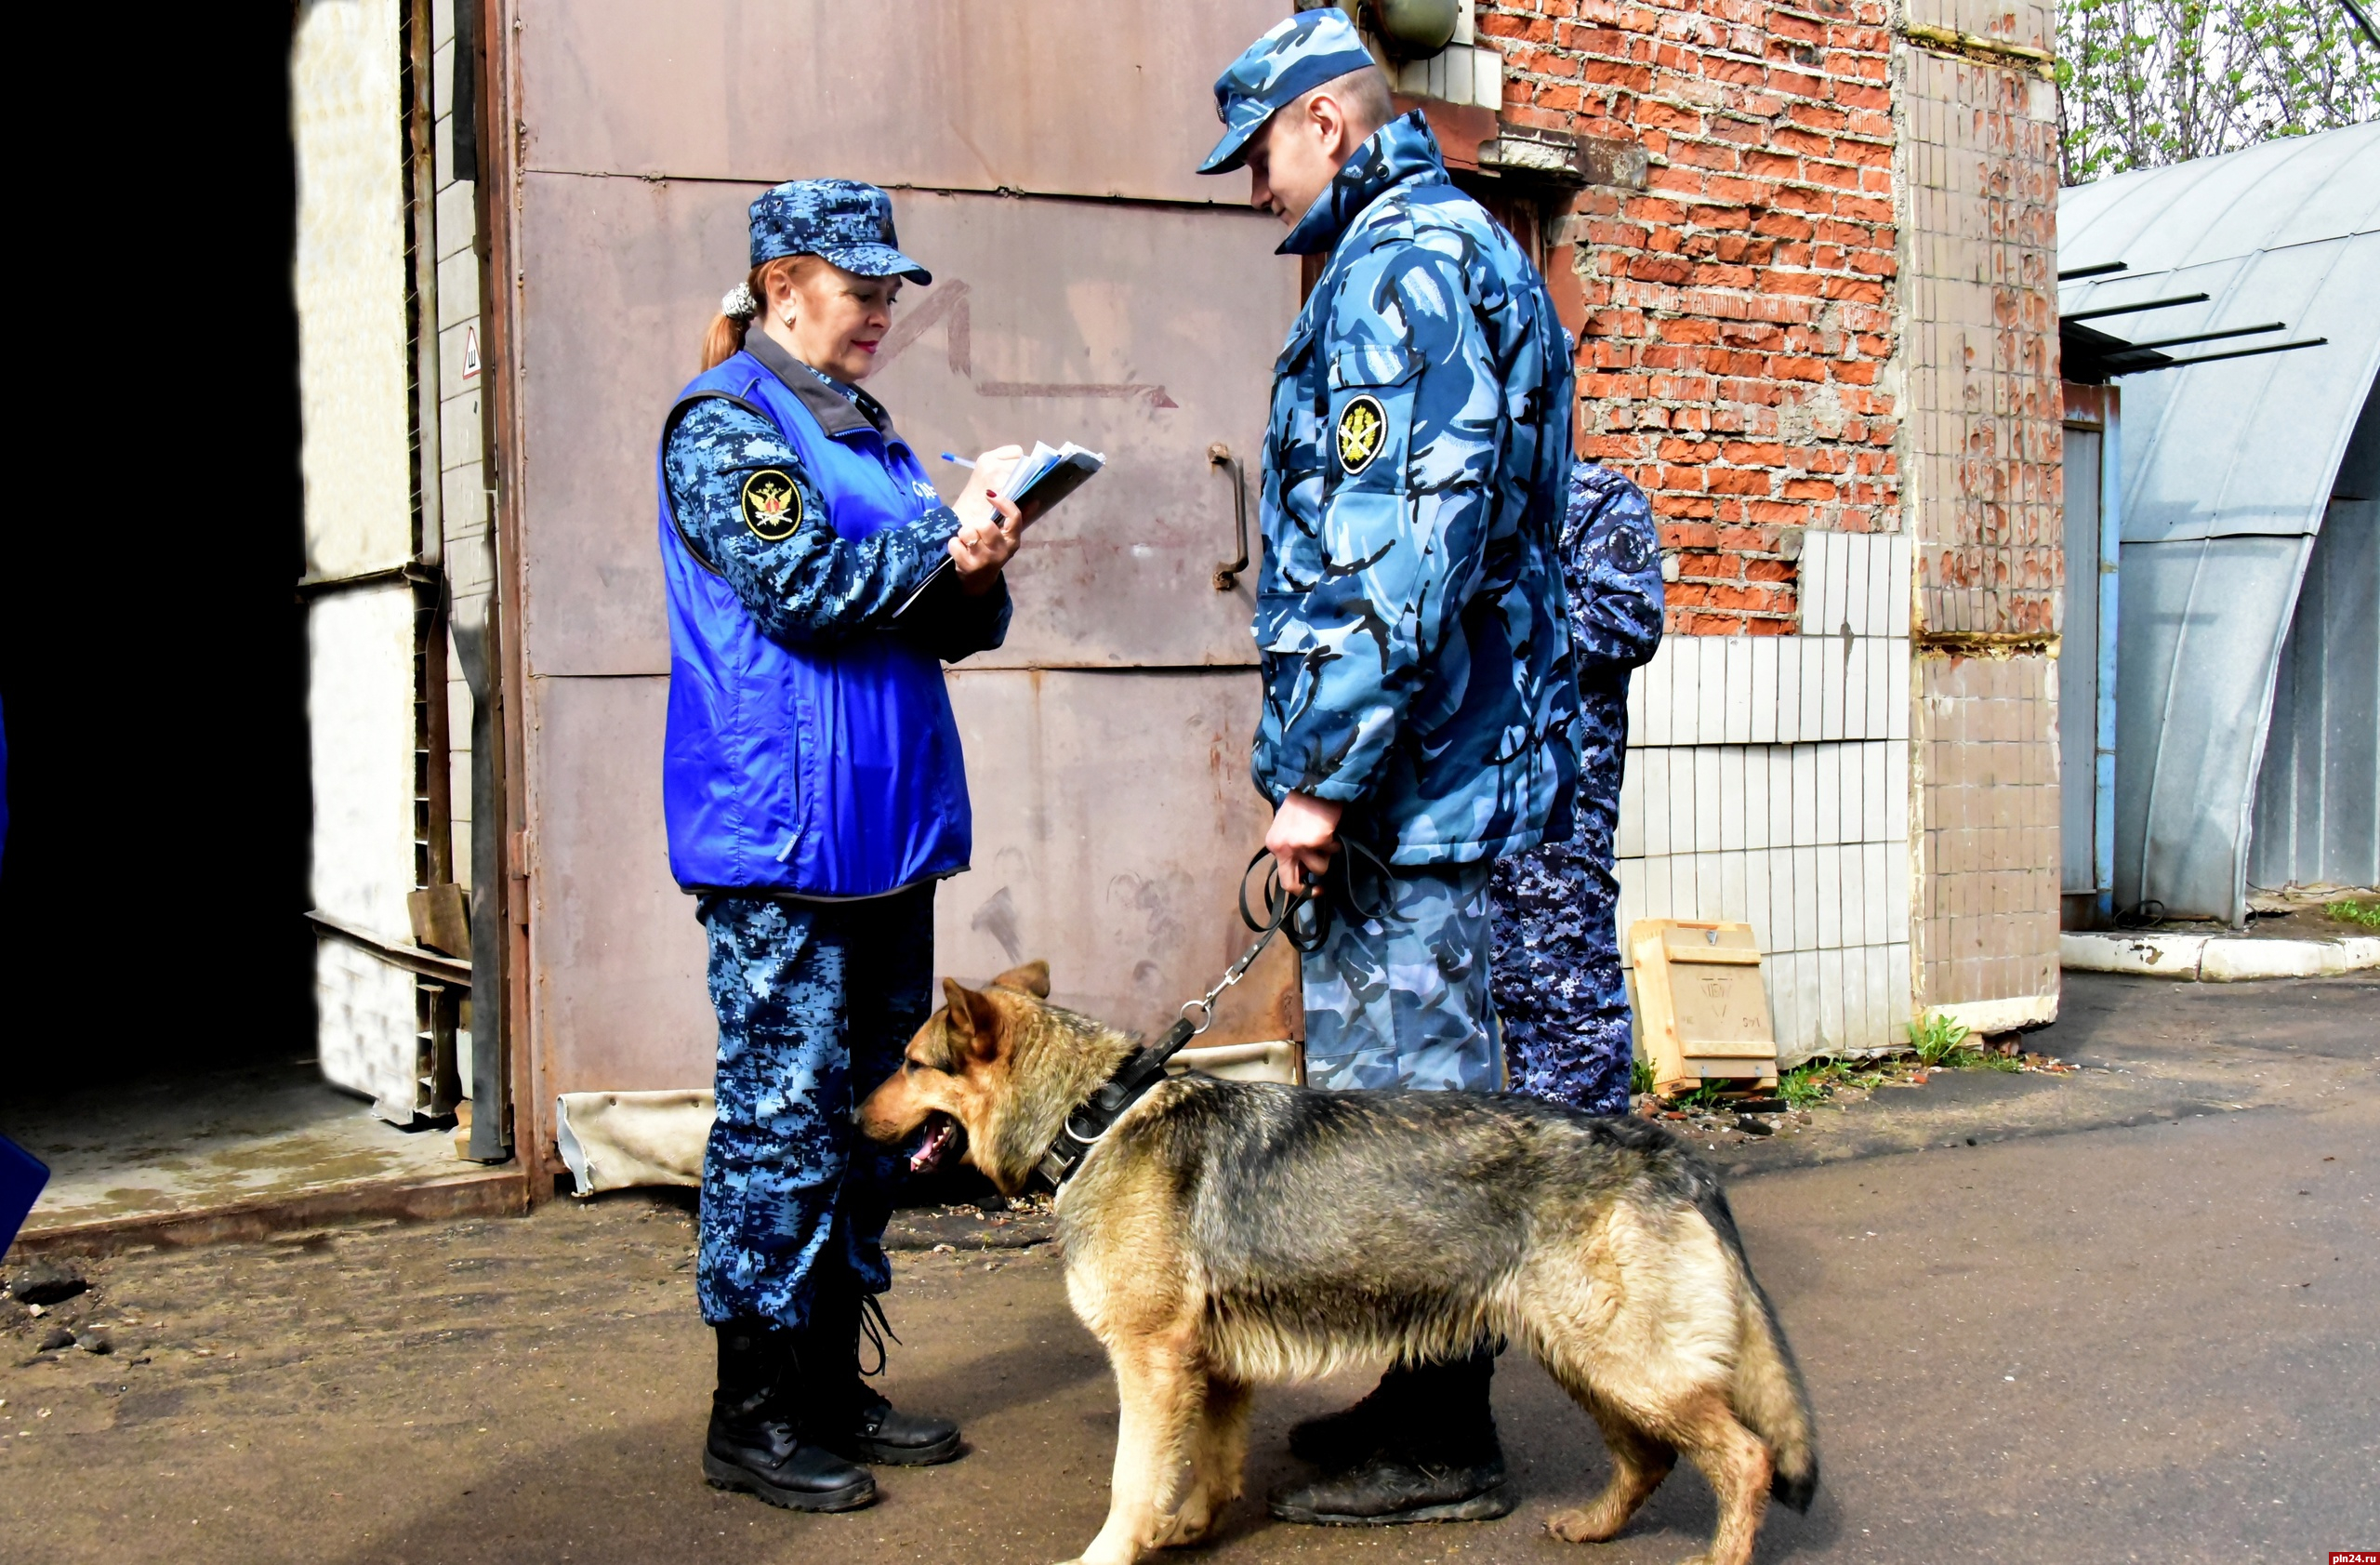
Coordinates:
column 1559, row 994
column 1418, row 691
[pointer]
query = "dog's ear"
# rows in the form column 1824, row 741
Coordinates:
column 1032, row 977
column 974, row 1024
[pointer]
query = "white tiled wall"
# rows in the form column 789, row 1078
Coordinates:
column 1768, row 782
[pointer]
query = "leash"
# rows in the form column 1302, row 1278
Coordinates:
column 1301, row 917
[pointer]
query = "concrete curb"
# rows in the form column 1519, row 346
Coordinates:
column 2217, row 959
column 492, row 1192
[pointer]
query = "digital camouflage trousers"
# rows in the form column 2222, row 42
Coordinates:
column 816, row 1002
column 1560, row 995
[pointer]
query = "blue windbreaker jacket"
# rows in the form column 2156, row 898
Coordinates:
column 811, row 747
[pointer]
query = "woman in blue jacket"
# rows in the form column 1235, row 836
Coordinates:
column 814, row 794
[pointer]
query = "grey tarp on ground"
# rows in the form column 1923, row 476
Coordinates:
column 2227, row 470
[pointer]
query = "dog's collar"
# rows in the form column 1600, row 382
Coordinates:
column 1088, row 1123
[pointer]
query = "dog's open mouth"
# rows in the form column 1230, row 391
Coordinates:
column 943, row 1140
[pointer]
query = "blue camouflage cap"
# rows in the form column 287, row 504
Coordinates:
column 848, row 222
column 1293, row 59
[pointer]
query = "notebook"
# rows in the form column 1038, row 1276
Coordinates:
column 1046, row 475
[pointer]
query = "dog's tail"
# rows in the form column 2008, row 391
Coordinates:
column 1769, row 1397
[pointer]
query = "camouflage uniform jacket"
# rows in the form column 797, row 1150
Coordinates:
column 1409, row 613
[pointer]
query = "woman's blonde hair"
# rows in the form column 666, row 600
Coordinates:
column 725, row 338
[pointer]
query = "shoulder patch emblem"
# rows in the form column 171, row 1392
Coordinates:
column 772, row 505
column 1363, row 430
column 1624, row 547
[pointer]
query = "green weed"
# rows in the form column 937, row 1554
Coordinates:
column 1816, row 1081
column 1939, row 1040
column 2351, row 912
column 1640, row 1077
column 1708, row 1096
column 1807, row 1085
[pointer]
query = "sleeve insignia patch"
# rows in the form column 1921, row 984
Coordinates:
column 772, row 505
column 1363, row 430
column 1624, row 547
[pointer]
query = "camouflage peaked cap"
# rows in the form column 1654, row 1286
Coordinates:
column 844, row 220
column 1293, row 59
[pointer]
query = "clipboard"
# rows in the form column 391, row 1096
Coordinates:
column 1046, row 475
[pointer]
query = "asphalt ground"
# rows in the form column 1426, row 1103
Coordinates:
column 2137, row 1320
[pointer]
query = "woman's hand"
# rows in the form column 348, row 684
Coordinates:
column 990, row 527
column 982, row 549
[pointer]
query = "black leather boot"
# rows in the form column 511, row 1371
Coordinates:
column 1437, row 1459
column 845, row 1411
column 1337, row 1441
column 754, row 1446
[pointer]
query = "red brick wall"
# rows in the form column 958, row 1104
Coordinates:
column 1739, row 311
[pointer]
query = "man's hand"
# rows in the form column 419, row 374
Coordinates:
column 1303, row 838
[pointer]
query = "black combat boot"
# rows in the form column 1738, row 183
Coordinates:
column 1337, row 1441
column 844, row 1411
column 1440, row 1460
column 756, row 1445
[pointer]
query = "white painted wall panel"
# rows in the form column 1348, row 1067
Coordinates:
column 355, row 454
column 1708, row 836
column 1762, row 717
column 367, row 1038
column 1810, row 711
column 1738, row 656
column 1710, row 689
column 359, row 714
column 359, row 711
column 355, row 451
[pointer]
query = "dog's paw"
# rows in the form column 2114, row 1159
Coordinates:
column 1594, row 1525
column 1191, row 1524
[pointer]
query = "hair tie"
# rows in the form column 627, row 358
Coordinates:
column 737, row 303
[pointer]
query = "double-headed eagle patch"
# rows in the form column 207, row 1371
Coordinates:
column 772, row 505
column 1363, row 430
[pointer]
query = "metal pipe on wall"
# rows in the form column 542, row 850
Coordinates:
column 475, row 622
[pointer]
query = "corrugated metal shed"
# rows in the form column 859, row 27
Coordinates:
column 2229, row 469
column 2317, row 796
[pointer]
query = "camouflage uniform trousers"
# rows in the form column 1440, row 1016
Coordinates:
column 1559, row 991
column 1402, row 1000
column 816, row 1002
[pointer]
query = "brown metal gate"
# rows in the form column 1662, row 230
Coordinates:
column 1089, row 286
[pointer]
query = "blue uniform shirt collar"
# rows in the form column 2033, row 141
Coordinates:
column 838, row 408
column 1401, row 153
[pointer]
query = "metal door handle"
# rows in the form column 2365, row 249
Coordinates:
column 1228, row 574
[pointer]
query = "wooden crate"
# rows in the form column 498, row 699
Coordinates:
column 1701, row 1010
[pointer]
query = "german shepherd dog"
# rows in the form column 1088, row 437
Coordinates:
column 1226, row 1234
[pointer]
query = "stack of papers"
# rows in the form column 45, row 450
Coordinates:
column 1046, row 475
